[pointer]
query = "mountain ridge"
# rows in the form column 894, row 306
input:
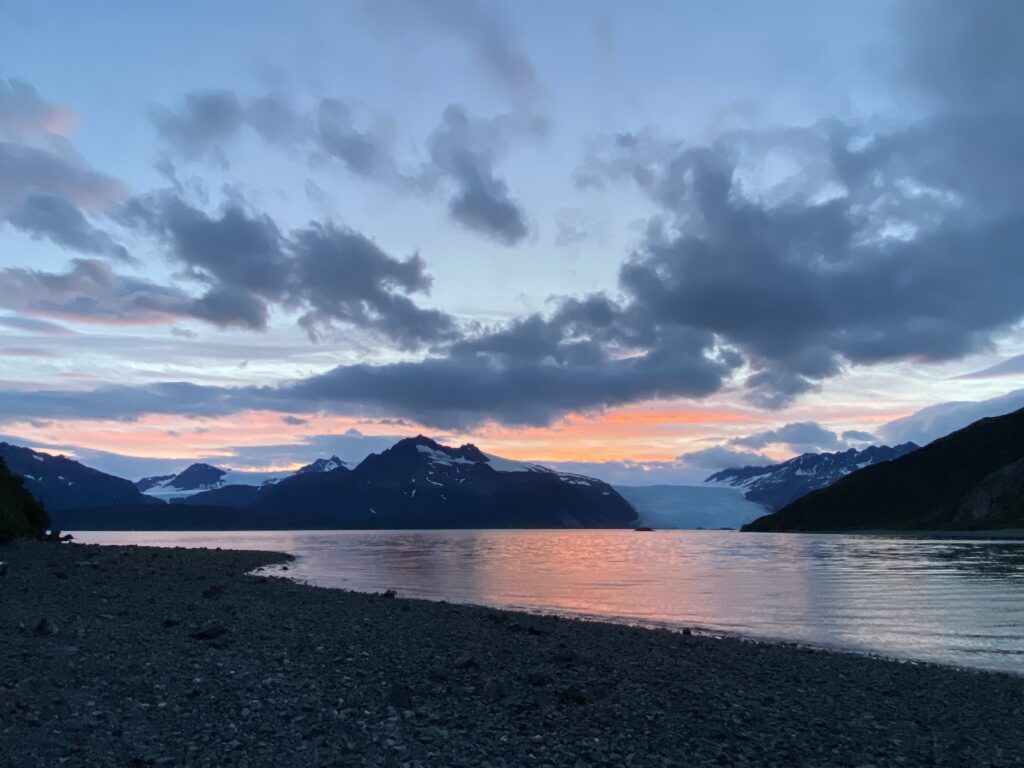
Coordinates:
column 776, row 485
column 970, row 479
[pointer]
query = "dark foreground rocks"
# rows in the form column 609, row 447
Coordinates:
column 134, row 659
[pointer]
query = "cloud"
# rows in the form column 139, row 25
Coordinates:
column 45, row 185
column 886, row 245
column 23, row 113
column 857, row 436
column 34, row 325
column 464, row 151
column 363, row 144
column 91, row 291
column 331, row 274
column 61, row 222
column 801, row 437
column 719, row 457
column 205, row 121
column 294, row 421
column 479, row 28
column 235, row 248
column 1012, row 366
column 341, row 276
column 939, row 420
column 29, row 170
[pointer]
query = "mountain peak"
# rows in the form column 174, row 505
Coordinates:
column 323, row 465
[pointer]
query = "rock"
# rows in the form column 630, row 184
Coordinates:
column 167, row 623
column 468, row 662
column 495, row 689
column 564, row 656
column 572, row 695
column 687, row 632
column 211, row 632
column 539, row 677
column 400, row 697
column 388, row 593
column 213, row 591
column 45, row 628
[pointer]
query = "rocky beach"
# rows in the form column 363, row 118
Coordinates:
column 131, row 656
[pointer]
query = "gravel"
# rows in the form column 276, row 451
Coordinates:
column 176, row 657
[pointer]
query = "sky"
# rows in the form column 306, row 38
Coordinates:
column 646, row 241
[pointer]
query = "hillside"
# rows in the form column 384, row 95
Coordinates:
column 62, row 483
column 20, row 513
column 970, row 479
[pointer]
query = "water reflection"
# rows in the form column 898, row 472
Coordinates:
column 959, row 602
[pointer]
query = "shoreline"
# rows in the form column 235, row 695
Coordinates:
column 182, row 657
column 690, row 629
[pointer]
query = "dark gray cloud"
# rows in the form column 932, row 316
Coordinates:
column 858, row 436
column 899, row 245
column 719, row 457
column 799, row 437
column 44, row 184
column 56, row 219
column 936, row 421
column 362, row 143
column 235, row 248
column 205, row 121
column 331, row 274
column 201, row 123
column 91, row 291
column 31, row 170
column 464, row 151
column 341, row 276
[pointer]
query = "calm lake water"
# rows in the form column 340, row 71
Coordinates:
column 953, row 602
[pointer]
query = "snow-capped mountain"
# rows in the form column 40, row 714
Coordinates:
column 198, row 478
column 63, row 483
column 323, row 465
column 416, row 483
column 777, row 485
column 421, row 483
column 205, row 484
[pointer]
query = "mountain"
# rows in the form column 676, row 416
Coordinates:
column 970, row 479
column 322, row 465
column 417, row 483
column 421, row 483
column 205, row 485
column 62, row 483
column 690, row 506
column 20, row 513
column 201, row 478
column 777, row 485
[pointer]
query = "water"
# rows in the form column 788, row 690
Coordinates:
column 952, row 602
